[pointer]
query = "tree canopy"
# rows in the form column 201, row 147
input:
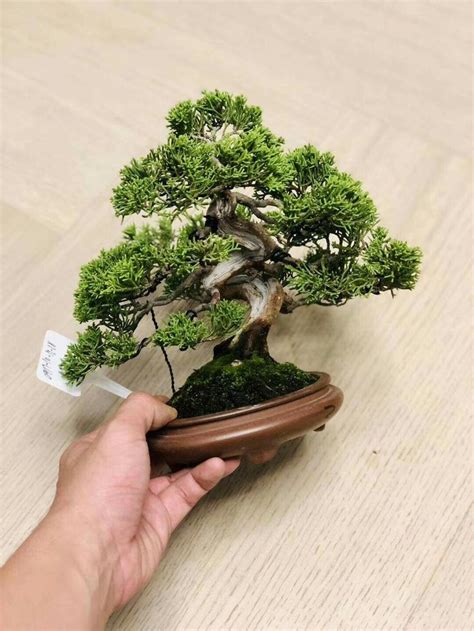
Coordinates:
column 226, row 205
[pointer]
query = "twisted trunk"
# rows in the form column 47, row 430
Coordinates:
column 251, row 236
column 265, row 297
column 233, row 278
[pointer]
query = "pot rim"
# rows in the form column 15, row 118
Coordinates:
column 322, row 381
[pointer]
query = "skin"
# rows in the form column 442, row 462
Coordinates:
column 108, row 527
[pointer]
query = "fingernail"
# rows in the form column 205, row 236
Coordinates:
column 172, row 412
column 232, row 465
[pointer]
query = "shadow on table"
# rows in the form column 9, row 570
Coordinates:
column 247, row 474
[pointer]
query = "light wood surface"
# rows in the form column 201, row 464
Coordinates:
column 365, row 525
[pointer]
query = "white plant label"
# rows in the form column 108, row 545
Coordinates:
column 54, row 348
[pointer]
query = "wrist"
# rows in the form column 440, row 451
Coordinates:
column 66, row 569
column 90, row 551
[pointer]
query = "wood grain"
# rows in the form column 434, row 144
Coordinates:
column 365, row 525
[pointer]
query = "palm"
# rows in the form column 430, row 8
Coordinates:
column 109, row 472
column 140, row 555
column 165, row 502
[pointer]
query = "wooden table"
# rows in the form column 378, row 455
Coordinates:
column 365, row 525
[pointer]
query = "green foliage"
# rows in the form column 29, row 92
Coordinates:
column 320, row 285
column 187, row 255
column 309, row 168
column 394, row 264
column 121, row 273
column 173, row 176
column 226, row 317
column 227, row 382
column 332, row 279
column 221, row 320
column 328, row 211
column 110, row 284
column 213, row 111
column 119, row 348
column 95, row 348
column 181, row 331
column 216, row 143
column 243, row 212
column 322, row 201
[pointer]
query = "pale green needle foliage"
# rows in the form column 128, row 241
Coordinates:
column 95, row 347
column 221, row 320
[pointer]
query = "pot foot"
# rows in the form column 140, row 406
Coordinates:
column 261, row 456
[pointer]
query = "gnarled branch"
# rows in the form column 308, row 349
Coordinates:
column 173, row 295
column 255, row 204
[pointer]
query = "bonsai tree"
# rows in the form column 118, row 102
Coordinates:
column 238, row 230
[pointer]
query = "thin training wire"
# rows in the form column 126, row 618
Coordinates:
column 165, row 355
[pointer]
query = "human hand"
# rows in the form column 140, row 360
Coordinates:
column 109, row 521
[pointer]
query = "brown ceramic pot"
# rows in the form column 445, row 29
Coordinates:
column 254, row 431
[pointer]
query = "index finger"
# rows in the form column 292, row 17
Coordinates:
column 142, row 412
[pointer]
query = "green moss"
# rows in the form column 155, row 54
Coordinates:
column 226, row 383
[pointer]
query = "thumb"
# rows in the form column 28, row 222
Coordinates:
column 142, row 412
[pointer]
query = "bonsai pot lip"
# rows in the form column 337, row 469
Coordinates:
column 322, row 381
column 254, row 432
